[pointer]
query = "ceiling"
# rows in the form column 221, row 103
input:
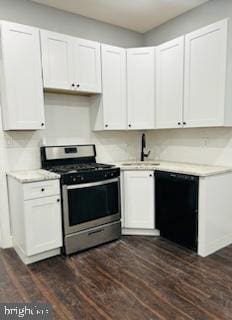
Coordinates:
column 137, row 15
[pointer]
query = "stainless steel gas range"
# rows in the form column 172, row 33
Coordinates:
column 90, row 195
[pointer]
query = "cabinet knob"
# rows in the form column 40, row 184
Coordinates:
column 179, row 123
column 42, row 124
column 106, row 125
column 73, row 84
column 150, row 175
column 129, row 125
column 78, row 85
column 42, row 189
column 184, row 123
column 58, row 200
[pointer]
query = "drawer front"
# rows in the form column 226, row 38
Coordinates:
column 41, row 189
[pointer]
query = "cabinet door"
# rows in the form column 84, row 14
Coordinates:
column 169, row 83
column 205, row 74
column 114, row 87
column 139, row 199
column 22, row 89
column 87, row 65
column 141, row 88
column 43, row 224
column 57, row 61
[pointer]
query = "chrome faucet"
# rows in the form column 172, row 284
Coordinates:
column 143, row 146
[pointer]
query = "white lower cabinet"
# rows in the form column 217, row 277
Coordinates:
column 35, row 219
column 43, row 224
column 138, row 202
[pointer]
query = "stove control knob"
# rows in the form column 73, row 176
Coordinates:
column 82, row 178
column 74, row 179
column 112, row 174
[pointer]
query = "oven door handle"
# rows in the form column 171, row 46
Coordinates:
column 92, row 184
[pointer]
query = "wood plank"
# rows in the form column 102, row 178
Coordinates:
column 134, row 278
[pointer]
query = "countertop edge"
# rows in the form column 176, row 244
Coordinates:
column 170, row 167
column 42, row 175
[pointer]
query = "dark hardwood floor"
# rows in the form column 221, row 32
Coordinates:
column 136, row 278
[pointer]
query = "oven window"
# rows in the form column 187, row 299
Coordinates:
column 86, row 204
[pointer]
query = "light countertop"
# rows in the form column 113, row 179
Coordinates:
column 27, row 176
column 200, row 170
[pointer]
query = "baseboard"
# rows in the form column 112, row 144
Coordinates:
column 5, row 244
column 215, row 246
column 140, row 232
column 37, row 257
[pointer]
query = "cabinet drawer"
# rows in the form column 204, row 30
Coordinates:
column 41, row 189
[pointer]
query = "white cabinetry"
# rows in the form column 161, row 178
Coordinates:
column 87, row 65
column 70, row 63
column 57, row 60
column 205, row 76
column 21, row 78
column 141, row 88
column 114, row 87
column 138, row 202
column 35, row 219
column 169, row 84
column 110, row 110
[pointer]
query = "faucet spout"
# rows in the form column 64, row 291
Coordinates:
column 143, row 146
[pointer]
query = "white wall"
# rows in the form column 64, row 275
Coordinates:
column 34, row 14
column 211, row 146
column 67, row 117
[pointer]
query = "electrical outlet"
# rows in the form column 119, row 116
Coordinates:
column 9, row 141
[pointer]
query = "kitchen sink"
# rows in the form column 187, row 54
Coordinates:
column 141, row 164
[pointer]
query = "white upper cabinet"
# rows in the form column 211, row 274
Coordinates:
column 57, row 60
column 205, row 76
column 169, row 84
column 114, row 87
column 21, row 78
column 141, row 88
column 87, row 65
column 70, row 63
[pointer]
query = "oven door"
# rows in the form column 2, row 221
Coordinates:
column 91, row 204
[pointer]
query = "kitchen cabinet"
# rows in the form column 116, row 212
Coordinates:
column 70, row 64
column 43, row 224
column 35, row 210
column 141, row 88
column 138, row 200
column 21, row 78
column 205, row 76
column 87, row 65
column 57, row 60
column 110, row 110
column 169, row 84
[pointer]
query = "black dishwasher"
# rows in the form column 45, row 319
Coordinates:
column 176, row 203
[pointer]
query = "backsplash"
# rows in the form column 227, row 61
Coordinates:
column 199, row 145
